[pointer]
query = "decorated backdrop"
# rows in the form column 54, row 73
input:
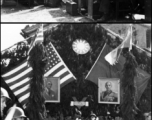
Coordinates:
column 62, row 37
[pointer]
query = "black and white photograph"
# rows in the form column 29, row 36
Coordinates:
column 68, row 71
column 52, row 89
column 109, row 90
column 78, row 11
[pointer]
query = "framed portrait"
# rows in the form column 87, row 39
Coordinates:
column 52, row 89
column 109, row 90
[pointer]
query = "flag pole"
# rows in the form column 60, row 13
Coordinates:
column 130, row 48
column 131, row 32
column 96, row 60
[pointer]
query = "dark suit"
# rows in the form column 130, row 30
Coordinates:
column 50, row 95
column 109, row 96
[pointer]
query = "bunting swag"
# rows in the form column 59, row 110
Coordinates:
column 35, row 107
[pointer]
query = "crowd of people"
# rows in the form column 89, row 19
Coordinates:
column 17, row 113
column 92, row 116
column 14, row 113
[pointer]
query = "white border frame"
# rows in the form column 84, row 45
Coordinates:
column 54, row 101
column 110, row 79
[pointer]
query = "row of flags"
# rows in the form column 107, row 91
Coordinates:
column 108, row 64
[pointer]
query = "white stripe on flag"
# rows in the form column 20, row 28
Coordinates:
column 53, row 69
column 24, row 97
column 61, row 72
column 19, row 83
column 15, row 70
column 66, row 78
column 19, row 75
column 22, row 89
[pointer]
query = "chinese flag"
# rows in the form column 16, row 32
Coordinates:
column 102, row 68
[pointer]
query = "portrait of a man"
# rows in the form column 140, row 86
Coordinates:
column 51, row 92
column 109, row 95
column 109, row 90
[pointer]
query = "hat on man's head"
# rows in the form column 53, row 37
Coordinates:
column 19, row 113
column 4, row 93
column 93, row 115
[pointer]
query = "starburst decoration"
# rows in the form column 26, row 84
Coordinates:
column 81, row 46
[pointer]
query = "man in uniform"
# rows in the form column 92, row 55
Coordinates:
column 49, row 94
column 4, row 98
column 109, row 95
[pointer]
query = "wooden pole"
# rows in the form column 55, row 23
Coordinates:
column 90, row 9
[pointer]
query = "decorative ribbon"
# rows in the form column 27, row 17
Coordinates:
column 79, row 104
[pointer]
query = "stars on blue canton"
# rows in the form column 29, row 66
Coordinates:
column 53, row 58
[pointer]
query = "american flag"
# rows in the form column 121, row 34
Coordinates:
column 18, row 80
column 56, row 67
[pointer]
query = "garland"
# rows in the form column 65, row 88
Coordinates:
column 36, row 106
column 128, row 107
column 144, row 63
